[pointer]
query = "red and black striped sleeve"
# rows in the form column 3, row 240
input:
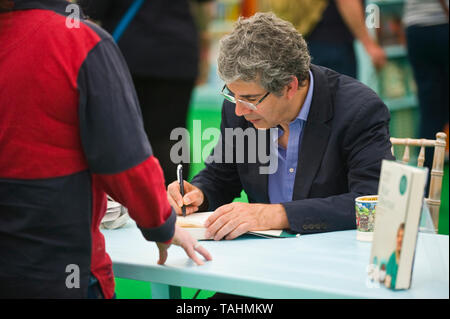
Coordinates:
column 114, row 141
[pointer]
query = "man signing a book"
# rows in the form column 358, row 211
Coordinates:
column 333, row 133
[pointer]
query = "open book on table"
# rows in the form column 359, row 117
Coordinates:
column 193, row 223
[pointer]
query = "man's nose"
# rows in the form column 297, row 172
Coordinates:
column 241, row 109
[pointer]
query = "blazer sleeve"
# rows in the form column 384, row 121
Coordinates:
column 219, row 180
column 365, row 144
column 115, row 144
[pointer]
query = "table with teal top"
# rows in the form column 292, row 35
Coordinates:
column 326, row 265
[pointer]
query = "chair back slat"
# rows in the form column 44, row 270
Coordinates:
column 437, row 170
column 421, row 157
column 405, row 158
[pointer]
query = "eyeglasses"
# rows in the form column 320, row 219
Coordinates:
column 232, row 99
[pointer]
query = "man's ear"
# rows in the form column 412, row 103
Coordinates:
column 292, row 87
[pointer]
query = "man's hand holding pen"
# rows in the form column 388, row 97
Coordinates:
column 193, row 197
column 231, row 220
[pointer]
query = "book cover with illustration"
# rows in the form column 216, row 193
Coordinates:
column 193, row 223
column 400, row 198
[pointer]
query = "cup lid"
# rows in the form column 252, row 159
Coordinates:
column 367, row 198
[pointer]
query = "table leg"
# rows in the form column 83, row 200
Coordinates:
column 162, row 291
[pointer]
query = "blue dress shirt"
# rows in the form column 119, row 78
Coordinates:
column 281, row 183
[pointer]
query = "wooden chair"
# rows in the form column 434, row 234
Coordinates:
column 437, row 170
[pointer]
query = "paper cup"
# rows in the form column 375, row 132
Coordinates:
column 365, row 216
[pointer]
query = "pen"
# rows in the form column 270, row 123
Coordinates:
column 180, row 181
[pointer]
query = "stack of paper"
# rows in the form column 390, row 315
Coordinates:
column 116, row 215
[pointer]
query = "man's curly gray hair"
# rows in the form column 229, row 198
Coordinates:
column 265, row 49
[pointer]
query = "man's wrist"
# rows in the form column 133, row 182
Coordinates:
column 274, row 217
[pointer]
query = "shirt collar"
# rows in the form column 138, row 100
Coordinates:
column 304, row 111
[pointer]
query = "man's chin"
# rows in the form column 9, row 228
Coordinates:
column 259, row 124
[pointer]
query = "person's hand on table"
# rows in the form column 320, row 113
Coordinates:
column 232, row 220
column 190, row 245
column 192, row 199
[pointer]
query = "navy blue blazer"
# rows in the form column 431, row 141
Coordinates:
column 345, row 138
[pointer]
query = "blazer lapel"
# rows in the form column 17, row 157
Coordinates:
column 261, row 180
column 258, row 191
column 315, row 134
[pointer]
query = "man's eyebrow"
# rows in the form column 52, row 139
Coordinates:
column 244, row 96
